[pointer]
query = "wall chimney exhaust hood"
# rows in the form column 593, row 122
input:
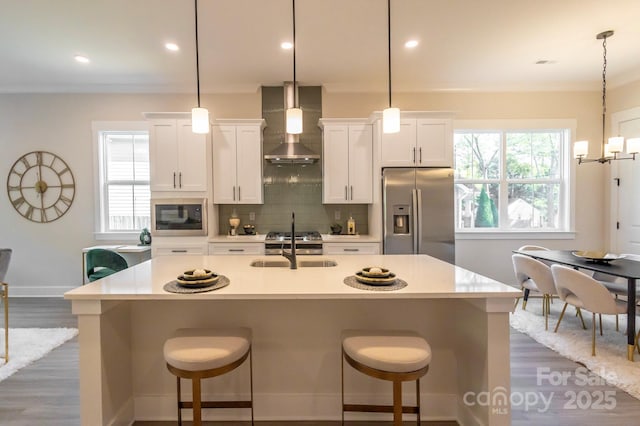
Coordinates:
column 291, row 151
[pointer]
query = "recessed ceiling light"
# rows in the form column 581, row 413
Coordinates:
column 286, row 45
column 81, row 59
column 411, row 44
column 172, row 47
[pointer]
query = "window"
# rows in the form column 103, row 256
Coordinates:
column 123, row 182
column 512, row 179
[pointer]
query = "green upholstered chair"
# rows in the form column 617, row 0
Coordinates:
column 101, row 263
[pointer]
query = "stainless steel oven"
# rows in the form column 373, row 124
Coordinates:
column 179, row 216
column 307, row 243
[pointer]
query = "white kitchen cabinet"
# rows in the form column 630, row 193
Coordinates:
column 237, row 162
column 178, row 157
column 180, row 249
column 421, row 142
column 255, row 249
column 350, row 248
column 347, row 162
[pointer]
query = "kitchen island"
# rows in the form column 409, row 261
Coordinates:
column 296, row 317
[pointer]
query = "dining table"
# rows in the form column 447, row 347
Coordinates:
column 618, row 267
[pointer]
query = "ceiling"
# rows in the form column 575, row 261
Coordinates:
column 465, row 45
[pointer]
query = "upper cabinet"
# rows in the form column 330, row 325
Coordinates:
column 347, row 162
column 421, row 142
column 177, row 156
column 237, row 161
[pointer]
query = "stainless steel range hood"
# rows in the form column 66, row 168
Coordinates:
column 291, row 151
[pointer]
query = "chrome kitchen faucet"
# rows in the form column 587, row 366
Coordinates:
column 291, row 256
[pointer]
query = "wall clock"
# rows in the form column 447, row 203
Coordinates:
column 40, row 186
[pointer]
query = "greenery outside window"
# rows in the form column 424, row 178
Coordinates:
column 512, row 180
column 123, row 187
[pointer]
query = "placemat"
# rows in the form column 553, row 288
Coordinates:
column 351, row 281
column 174, row 287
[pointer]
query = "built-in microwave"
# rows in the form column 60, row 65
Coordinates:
column 179, row 216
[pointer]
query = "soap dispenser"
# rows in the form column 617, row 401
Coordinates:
column 351, row 226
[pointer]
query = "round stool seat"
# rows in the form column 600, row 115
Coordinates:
column 397, row 351
column 197, row 349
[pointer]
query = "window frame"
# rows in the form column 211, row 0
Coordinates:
column 100, row 196
column 566, row 228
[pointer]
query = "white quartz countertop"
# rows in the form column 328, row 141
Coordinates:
column 330, row 238
column 258, row 238
column 327, row 238
column 426, row 276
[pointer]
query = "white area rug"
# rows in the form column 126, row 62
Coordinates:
column 27, row 345
column 573, row 342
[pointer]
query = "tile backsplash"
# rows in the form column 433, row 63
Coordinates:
column 293, row 188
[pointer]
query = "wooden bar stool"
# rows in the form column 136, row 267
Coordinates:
column 196, row 354
column 397, row 356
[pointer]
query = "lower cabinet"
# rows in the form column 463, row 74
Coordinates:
column 351, row 248
column 254, row 249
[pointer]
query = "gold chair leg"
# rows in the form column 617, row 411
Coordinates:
column 617, row 327
column 515, row 306
column 593, row 335
column 397, row 403
column 545, row 303
column 5, row 302
column 600, row 318
column 564, row 308
column 418, row 401
column 342, row 383
column 197, row 401
column 579, row 313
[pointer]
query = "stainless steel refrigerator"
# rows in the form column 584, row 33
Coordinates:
column 418, row 215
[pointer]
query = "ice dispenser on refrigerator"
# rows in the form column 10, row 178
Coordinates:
column 401, row 220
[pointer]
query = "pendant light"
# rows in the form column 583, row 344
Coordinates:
column 294, row 115
column 608, row 151
column 199, row 116
column 390, row 116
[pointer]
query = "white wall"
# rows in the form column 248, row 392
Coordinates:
column 47, row 257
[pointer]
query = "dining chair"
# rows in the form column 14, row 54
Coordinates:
column 5, row 258
column 583, row 291
column 101, row 263
column 617, row 285
column 534, row 275
column 529, row 247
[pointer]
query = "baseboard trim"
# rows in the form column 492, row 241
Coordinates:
column 45, row 291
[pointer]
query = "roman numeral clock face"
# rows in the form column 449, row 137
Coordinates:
column 40, row 186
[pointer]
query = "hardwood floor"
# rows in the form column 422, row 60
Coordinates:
column 46, row 392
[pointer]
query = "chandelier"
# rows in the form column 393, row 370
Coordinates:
column 615, row 145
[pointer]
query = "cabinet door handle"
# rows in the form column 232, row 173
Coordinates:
column 178, row 251
column 351, row 249
column 239, row 197
column 414, row 156
column 180, row 179
column 234, row 193
column 346, row 192
column 174, row 179
column 351, row 192
column 240, row 250
column 420, row 155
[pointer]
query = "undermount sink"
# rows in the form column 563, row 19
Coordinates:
column 301, row 263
